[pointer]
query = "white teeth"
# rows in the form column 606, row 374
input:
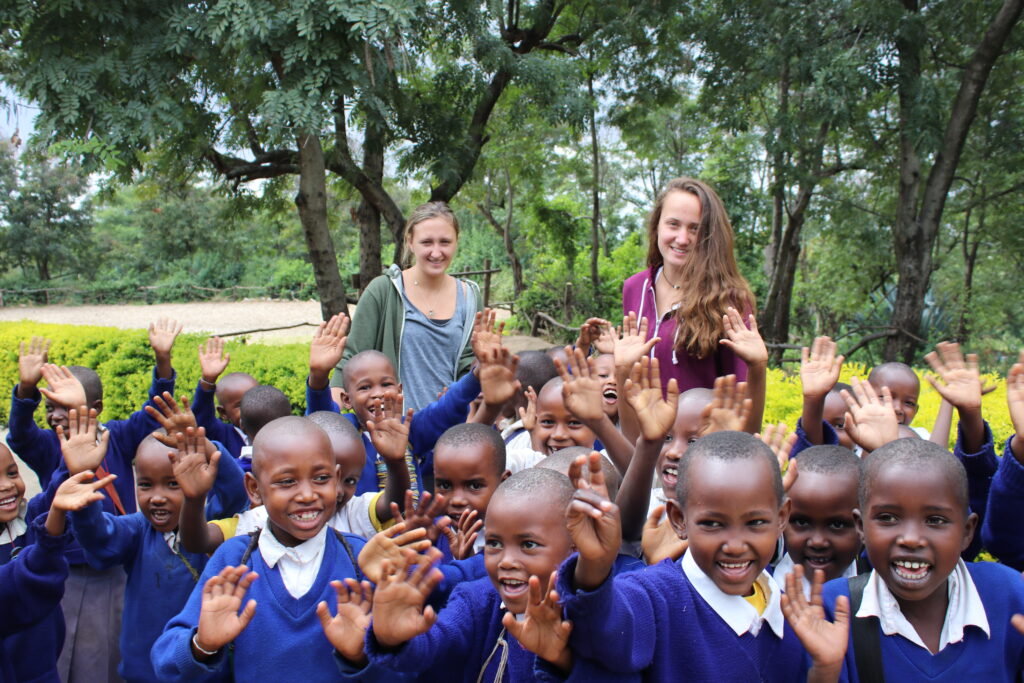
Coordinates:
column 911, row 565
column 305, row 516
column 734, row 565
column 672, row 470
column 8, row 501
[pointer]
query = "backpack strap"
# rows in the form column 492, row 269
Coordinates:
column 351, row 554
column 254, row 540
column 867, row 638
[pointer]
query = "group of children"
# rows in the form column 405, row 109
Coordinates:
column 550, row 516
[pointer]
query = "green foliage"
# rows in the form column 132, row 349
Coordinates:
column 124, row 361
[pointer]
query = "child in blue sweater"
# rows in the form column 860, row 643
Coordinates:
column 718, row 599
column 1000, row 529
column 294, row 557
column 224, row 425
column 923, row 613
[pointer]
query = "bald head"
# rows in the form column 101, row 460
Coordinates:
column 288, row 434
column 537, row 486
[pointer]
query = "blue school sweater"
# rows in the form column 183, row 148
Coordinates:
column 1000, row 530
column 975, row 658
column 828, row 433
column 31, row 587
column 283, row 641
column 459, row 643
column 217, row 429
column 655, row 622
column 159, row 581
column 981, row 467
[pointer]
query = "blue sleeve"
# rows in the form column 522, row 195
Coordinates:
column 38, row 448
column 981, row 467
column 829, row 437
column 206, row 416
column 449, row 410
column 228, row 496
column 130, row 433
column 1000, row 529
column 456, row 572
column 32, row 585
column 108, row 540
column 371, row 673
column 320, row 399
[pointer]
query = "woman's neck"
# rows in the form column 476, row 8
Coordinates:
column 426, row 282
column 672, row 273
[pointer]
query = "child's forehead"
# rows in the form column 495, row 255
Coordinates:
column 536, row 510
column 151, row 460
column 347, row 451
column 550, row 401
column 372, row 367
column 296, row 452
column 688, row 415
column 746, row 480
column 605, row 363
column 839, row 486
column 463, row 458
column 6, row 457
column 897, row 379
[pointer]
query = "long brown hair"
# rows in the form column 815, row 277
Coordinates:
column 711, row 279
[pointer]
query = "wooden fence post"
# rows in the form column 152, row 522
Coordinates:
column 487, row 282
column 567, row 302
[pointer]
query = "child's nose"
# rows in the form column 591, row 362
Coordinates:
column 910, row 535
column 817, row 539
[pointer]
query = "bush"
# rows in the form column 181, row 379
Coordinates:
column 124, row 362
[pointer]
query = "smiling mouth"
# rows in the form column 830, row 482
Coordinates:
column 11, row 502
column 669, row 475
column 734, row 569
column 819, row 562
column 611, row 397
column 513, row 588
column 159, row 515
column 914, row 571
column 305, row 519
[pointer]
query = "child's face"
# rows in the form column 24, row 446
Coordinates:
column 229, row 399
column 12, row 486
column 835, row 414
column 821, row 533
column 157, row 490
column 432, row 244
column 368, row 383
column 732, row 520
column 526, row 536
column 685, row 431
column 297, row 481
column 904, row 387
column 350, row 458
column 556, row 427
column 915, row 528
column 466, row 477
column 604, row 366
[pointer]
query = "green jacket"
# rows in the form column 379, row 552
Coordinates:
column 380, row 318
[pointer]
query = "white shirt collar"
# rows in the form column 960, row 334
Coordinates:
column 171, row 539
column 245, row 439
column 299, row 565
column 17, row 526
column 735, row 611
column 785, row 567
column 965, row 609
column 245, row 453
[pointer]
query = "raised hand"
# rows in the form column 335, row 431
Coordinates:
column 582, row 390
column 655, row 414
column 194, row 469
column 462, row 538
column 960, row 380
column 80, row 490
column 594, row 479
column 820, row 367
column 172, row 417
column 590, row 332
column 774, row 436
column 346, row 631
column 825, row 641
column 871, row 422
column 745, row 342
column 162, row 334
column 1015, row 401
column 543, row 632
column 729, row 408
column 633, row 344
column 529, row 414
column 80, row 448
column 219, row 619
column 423, row 515
column 388, row 545
column 213, row 361
column 327, row 349
column 389, row 433
column 31, row 361
column 497, row 375
column 398, row 611
column 486, row 338
column 64, row 388
column 596, row 530
column 659, row 540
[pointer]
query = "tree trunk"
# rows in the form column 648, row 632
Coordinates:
column 505, row 232
column 970, row 254
column 312, row 204
column 367, row 214
column 917, row 225
column 595, row 193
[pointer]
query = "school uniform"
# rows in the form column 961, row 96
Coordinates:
column 981, row 466
column 802, row 443
column 233, row 438
column 358, row 516
column 284, row 639
column 160, row 577
column 680, row 626
column 785, row 566
column 977, row 641
column 1000, row 530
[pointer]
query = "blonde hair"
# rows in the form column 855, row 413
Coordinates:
column 711, row 280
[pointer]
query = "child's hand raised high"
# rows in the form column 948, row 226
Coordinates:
column 30, row 365
column 497, row 374
column 961, row 381
column 529, row 414
column 825, row 641
column 194, row 463
column 745, row 342
column 581, row 390
column 75, row 493
column 543, row 632
column 64, row 388
column 633, row 344
column 213, row 360
column 162, row 334
column 1015, row 401
column 820, row 367
column 346, row 631
column 660, row 540
column 462, row 538
column 729, row 409
column 327, row 349
column 655, row 414
column 871, row 422
column 593, row 479
column 388, row 545
column 80, row 448
column 399, row 614
column 486, row 338
column 427, row 514
column 389, row 432
column 593, row 331
column 172, row 417
column 774, row 436
column 594, row 524
column 219, row 619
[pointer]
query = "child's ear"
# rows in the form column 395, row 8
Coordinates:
column 346, row 402
column 970, row 527
column 787, row 506
column 676, row 518
column 221, row 413
column 252, row 489
column 505, row 475
column 97, row 405
column 858, row 523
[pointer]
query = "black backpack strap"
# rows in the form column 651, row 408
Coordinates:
column 254, row 540
column 351, row 554
column 867, row 635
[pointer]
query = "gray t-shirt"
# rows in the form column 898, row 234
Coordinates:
column 430, row 349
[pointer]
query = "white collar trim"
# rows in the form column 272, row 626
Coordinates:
column 272, row 550
column 17, row 526
column 740, row 615
column 785, row 567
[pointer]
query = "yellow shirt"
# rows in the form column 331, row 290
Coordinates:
column 759, row 600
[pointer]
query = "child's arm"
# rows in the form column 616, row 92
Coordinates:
column 596, row 531
column 213, row 361
column 774, row 436
column 326, row 350
column 961, row 386
column 36, row 446
column 819, row 372
column 195, row 475
column 346, row 630
column 943, row 424
column 655, row 416
column 399, row 614
column 390, row 436
column 659, row 540
column 746, row 342
column 108, row 540
column 870, row 421
column 1000, row 532
column 628, row 350
column 496, row 369
column 162, row 334
column 543, row 631
column 825, row 641
column 582, row 394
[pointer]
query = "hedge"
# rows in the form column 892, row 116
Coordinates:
column 124, row 361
